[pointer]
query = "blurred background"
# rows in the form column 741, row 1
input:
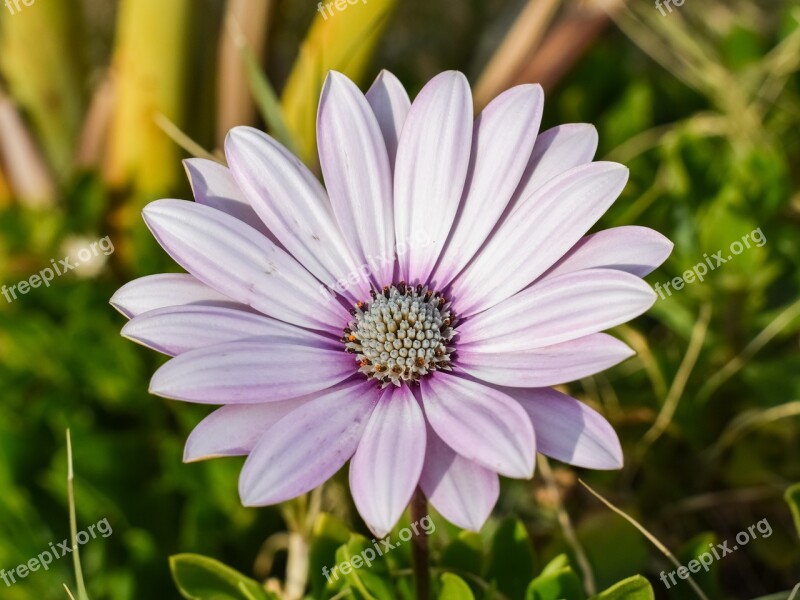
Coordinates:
column 100, row 100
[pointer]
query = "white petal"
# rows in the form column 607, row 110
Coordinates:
column 502, row 138
column 385, row 469
column 357, row 174
column 239, row 262
column 431, row 167
column 389, row 101
column 307, row 446
column 538, row 233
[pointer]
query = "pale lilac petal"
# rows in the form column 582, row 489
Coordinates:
column 385, row 469
column 250, row 371
column 178, row 329
column 633, row 249
column 214, row 185
column 502, row 138
column 287, row 196
column 556, row 310
column 234, row 429
column 307, row 446
column 239, row 262
column 556, row 151
column 389, row 101
column 355, row 165
column 461, row 490
column 538, row 233
column 432, row 162
column 480, row 423
column 568, row 430
column 167, row 289
column 551, row 365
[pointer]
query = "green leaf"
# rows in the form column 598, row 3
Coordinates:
column 692, row 551
column 511, row 559
column 633, row 588
column 454, row 588
column 792, row 496
column 561, row 584
column 555, row 565
column 328, row 534
column 202, row 578
column 465, row 553
column 361, row 567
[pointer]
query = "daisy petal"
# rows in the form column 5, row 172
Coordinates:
column 234, row 430
column 287, row 196
column 385, row 469
column 462, row 490
column 178, row 329
column 557, row 150
column 167, row 289
column 551, row 365
column 558, row 309
column 239, row 262
column 568, row 430
column 250, row 371
column 214, row 186
column 480, row 423
column 633, row 249
column 432, row 162
column 540, row 231
column 502, row 139
column 307, row 446
column 389, row 101
column 355, row 165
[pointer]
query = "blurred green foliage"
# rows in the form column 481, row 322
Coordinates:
column 702, row 105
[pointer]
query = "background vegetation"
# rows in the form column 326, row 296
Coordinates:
column 99, row 101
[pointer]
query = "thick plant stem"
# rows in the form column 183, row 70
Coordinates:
column 419, row 547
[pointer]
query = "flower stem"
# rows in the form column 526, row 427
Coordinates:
column 419, row 547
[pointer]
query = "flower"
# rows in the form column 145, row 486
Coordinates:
column 413, row 315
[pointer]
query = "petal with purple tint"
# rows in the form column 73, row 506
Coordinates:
column 239, row 262
column 234, row 429
column 178, row 329
column 167, row 289
column 431, row 167
column 461, row 490
column 386, row 467
column 551, row 365
column 250, row 371
column 635, row 250
column 480, row 423
column 556, row 151
column 568, row 430
column 287, row 196
column 214, row 186
column 503, row 137
column 389, row 101
column 355, row 165
column 557, row 310
column 537, row 234
column 308, row 445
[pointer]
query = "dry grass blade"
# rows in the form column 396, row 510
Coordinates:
column 249, row 19
column 752, row 419
column 183, row 140
column 518, row 46
column 653, row 539
column 73, row 524
column 679, row 383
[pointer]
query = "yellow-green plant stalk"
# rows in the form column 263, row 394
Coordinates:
column 342, row 37
column 149, row 75
column 41, row 62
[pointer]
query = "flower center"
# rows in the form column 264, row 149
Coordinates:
column 402, row 334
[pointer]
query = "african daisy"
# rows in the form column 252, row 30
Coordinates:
column 411, row 315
